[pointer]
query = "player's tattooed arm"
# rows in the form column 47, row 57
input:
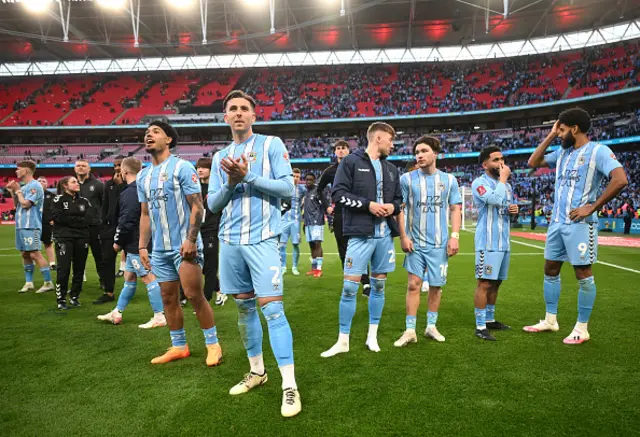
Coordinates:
column 197, row 214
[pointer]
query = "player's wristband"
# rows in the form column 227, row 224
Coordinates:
column 455, row 235
column 143, row 248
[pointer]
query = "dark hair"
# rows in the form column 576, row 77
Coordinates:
column 238, row 94
column 204, row 163
column 432, row 142
column 28, row 164
column 169, row 131
column 487, row 151
column 61, row 183
column 297, row 170
column 310, row 174
column 119, row 158
column 340, row 143
column 576, row 117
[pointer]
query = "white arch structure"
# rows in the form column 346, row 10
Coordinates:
column 558, row 43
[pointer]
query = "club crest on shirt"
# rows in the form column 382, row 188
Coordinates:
column 481, row 190
column 253, row 156
column 33, row 191
column 441, row 186
column 488, row 270
column 164, row 177
column 92, row 188
column 348, row 262
column 581, row 160
column 81, row 208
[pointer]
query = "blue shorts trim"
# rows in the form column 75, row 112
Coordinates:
column 251, row 267
column 28, row 240
column 576, row 243
column 165, row 265
column 290, row 231
column 362, row 250
column 314, row 233
column 493, row 266
column 430, row 264
column 134, row 265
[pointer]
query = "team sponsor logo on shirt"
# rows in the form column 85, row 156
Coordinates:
column 348, row 262
column 481, row 190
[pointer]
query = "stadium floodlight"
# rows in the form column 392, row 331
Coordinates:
column 37, row 6
column 114, row 5
column 180, row 4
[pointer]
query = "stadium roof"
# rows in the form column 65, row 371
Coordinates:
column 81, row 29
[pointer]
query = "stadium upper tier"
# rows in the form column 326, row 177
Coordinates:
column 306, row 93
column 604, row 127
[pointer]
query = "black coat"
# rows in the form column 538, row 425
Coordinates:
column 127, row 234
column 92, row 189
column 110, row 208
column 354, row 188
column 211, row 223
column 70, row 217
column 47, row 207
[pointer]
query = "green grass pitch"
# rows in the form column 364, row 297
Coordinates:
column 67, row 374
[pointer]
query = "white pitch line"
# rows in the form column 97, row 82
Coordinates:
column 402, row 253
column 618, row 267
column 528, row 244
column 615, row 266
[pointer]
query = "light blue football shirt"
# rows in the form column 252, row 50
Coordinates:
column 165, row 188
column 579, row 173
column 492, row 199
column 427, row 199
column 30, row 218
column 252, row 216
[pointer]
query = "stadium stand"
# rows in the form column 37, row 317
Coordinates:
column 326, row 92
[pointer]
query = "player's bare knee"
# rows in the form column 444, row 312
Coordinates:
column 552, row 268
column 484, row 285
column 262, row 301
column 583, row 272
column 435, row 291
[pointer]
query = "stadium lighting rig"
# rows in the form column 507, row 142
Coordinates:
column 180, row 4
column 33, row 6
column 114, row 5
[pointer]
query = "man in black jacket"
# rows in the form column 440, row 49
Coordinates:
column 368, row 187
column 47, row 220
column 110, row 213
column 209, row 232
column 341, row 149
column 92, row 189
column 126, row 237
